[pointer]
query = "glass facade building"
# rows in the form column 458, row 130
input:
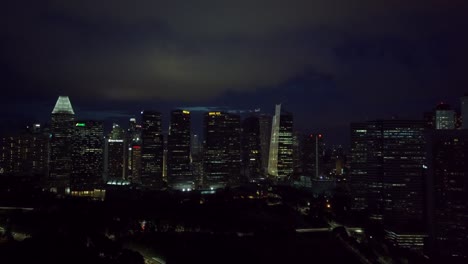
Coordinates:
column 222, row 150
column 87, row 155
column 178, row 151
column 61, row 131
column 152, row 150
column 281, row 160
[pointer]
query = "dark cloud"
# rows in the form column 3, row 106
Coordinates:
column 195, row 50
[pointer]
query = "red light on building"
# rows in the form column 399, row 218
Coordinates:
column 320, row 135
column 136, row 147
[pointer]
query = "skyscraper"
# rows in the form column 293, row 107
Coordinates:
column 133, row 140
column 60, row 145
column 448, row 194
column 313, row 154
column 116, row 153
column 445, row 117
column 358, row 167
column 135, row 160
column 298, row 143
column 25, row 154
column 152, row 150
column 281, row 163
column 178, row 155
column 222, row 157
column 233, row 136
column 196, row 155
column 87, row 156
column 388, row 156
column 251, row 148
column 265, row 140
column 464, row 111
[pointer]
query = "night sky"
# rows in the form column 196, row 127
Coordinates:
column 329, row 62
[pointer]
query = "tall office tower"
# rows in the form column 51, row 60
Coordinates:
column 133, row 139
column 87, row 156
column 195, row 146
column 25, row 154
column 233, row 135
column 135, row 161
column 338, row 160
column 313, row 155
column 251, row 148
column 152, row 150
column 178, row 151
column 61, row 130
column 196, row 156
column 134, row 131
column 280, row 163
column 389, row 156
column 445, row 117
column 116, row 153
column 165, row 166
column 448, row 195
column 265, row 140
column 222, row 149
column 298, row 144
column 464, row 111
column 358, row 167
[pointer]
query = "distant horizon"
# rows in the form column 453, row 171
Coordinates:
column 334, row 135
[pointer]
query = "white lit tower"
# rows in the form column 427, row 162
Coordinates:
column 60, row 145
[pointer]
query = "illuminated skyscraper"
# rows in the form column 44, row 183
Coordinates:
column 233, row 136
column 222, row 157
column 281, row 162
column 116, row 153
column 152, row 150
column 87, row 156
column 251, row 148
column 135, row 160
column 60, row 145
column 387, row 175
column 133, row 139
column 178, row 155
column 25, row 154
column 445, row 117
column 358, row 166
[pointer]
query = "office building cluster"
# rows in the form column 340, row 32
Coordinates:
column 75, row 156
column 411, row 176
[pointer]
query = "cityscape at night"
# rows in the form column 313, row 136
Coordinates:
column 245, row 132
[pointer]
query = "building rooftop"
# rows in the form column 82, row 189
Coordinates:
column 63, row 106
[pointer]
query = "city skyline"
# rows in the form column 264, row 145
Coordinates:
column 338, row 62
column 86, row 110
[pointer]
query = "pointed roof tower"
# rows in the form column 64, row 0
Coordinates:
column 63, row 106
